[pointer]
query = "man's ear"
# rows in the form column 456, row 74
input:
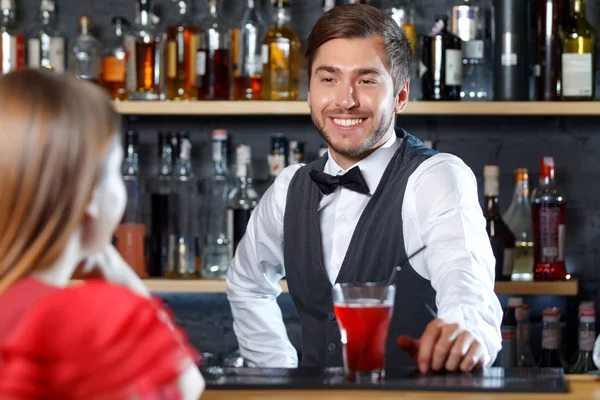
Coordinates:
column 401, row 100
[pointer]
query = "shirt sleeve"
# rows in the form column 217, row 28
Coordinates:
column 443, row 206
column 253, row 282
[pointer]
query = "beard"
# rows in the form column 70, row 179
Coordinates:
column 379, row 129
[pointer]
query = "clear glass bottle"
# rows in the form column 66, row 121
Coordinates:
column 182, row 44
column 46, row 46
column 584, row 361
column 242, row 199
column 247, row 58
column 85, row 53
column 281, row 57
column 114, row 67
column 518, row 219
column 13, row 43
column 215, row 83
column 578, row 56
column 131, row 233
column 217, row 243
column 404, row 13
column 147, row 55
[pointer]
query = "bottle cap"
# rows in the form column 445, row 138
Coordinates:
column 587, row 309
column 491, row 186
column 515, row 301
column 243, row 154
column 547, row 167
column 219, row 134
column 551, row 314
column 7, row 4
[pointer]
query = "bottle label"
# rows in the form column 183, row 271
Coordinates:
column 550, row 338
column 577, row 74
column 13, row 52
column 276, row 163
column 130, row 76
column 508, row 262
column 508, row 332
column 172, row 59
column 411, row 35
column 57, row 54
column 586, row 340
column 454, row 67
column 217, row 151
column 473, row 49
column 552, row 235
column 509, row 57
column 193, row 66
column 201, row 63
column 265, row 53
column 113, row 69
column 33, row 53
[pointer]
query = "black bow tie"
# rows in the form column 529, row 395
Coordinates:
column 352, row 180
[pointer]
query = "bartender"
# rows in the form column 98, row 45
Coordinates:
column 376, row 196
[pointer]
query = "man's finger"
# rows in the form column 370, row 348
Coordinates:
column 408, row 345
column 427, row 343
column 442, row 347
column 473, row 358
column 458, row 351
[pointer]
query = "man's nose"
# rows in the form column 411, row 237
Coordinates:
column 346, row 96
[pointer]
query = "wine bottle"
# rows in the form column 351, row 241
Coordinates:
column 551, row 338
column 549, row 15
column 507, row 357
column 587, row 334
column 501, row 237
column 579, row 56
column 441, row 77
column 524, row 355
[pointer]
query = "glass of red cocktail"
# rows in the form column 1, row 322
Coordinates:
column 364, row 312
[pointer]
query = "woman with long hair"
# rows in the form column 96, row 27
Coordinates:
column 61, row 198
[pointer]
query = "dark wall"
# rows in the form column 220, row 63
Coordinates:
column 509, row 141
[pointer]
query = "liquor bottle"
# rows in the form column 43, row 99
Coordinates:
column 403, row 12
column 218, row 241
column 551, row 356
column 524, row 355
column 183, row 207
column 242, row 198
column 357, row 2
column 501, row 237
column 131, row 233
column 215, row 83
column 247, row 39
column 578, row 56
column 518, row 219
column 85, row 53
column 441, row 77
column 46, row 47
column 278, row 157
column 281, row 57
column 548, row 49
column 13, row 44
column 587, row 335
column 183, row 42
column 147, row 54
column 510, row 37
column 114, row 61
column 328, row 5
column 468, row 23
column 548, row 212
column 296, row 153
column 507, row 358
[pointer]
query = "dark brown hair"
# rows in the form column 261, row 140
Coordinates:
column 353, row 21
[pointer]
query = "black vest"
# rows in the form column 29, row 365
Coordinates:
column 376, row 247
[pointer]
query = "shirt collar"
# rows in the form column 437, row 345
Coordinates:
column 372, row 167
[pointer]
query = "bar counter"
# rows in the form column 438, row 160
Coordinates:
column 581, row 387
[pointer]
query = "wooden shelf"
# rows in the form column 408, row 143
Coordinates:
column 564, row 288
column 301, row 108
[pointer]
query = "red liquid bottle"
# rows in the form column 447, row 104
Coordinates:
column 548, row 213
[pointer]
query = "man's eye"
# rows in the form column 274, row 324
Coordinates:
column 327, row 79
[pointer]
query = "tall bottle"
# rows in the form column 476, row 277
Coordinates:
column 510, row 37
column 551, row 356
column 403, row 12
column 114, row 67
column 13, row 44
column 548, row 211
column 131, row 233
column 468, row 23
column 147, row 55
column 183, row 42
column 578, row 56
column 85, row 53
column 584, row 361
column 281, row 57
column 215, row 83
column 441, row 76
column 524, row 355
column 501, row 237
column 278, row 157
column 247, row 58
column 218, row 242
column 518, row 219
column 547, row 68
column 242, row 199
column 507, row 358
column 46, row 46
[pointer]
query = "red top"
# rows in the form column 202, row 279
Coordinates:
column 92, row 341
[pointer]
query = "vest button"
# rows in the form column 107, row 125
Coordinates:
column 332, row 346
column 331, row 316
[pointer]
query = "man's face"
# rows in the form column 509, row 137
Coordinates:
column 351, row 95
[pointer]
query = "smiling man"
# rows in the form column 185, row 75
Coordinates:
column 377, row 195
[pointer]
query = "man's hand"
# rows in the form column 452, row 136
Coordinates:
column 443, row 345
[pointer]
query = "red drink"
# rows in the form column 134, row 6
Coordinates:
column 364, row 325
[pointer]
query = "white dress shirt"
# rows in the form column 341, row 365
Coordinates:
column 440, row 209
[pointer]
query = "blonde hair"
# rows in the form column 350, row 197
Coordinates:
column 55, row 132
